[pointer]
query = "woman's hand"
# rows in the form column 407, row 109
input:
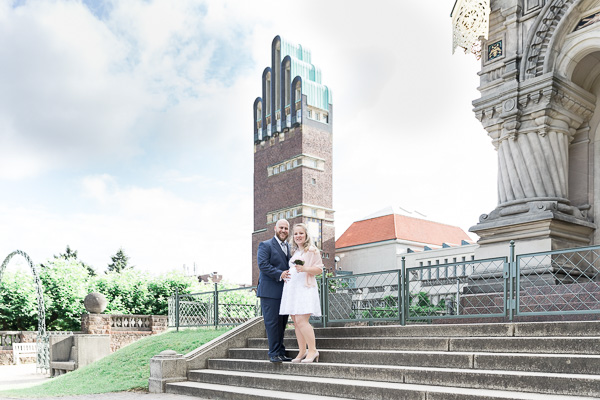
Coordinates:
column 299, row 268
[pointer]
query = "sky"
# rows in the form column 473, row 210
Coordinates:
column 128, row 124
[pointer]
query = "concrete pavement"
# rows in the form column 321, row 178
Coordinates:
column 24, row 375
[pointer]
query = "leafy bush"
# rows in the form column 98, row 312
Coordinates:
column 18, row 302
column 66, row 281
column 421, row 306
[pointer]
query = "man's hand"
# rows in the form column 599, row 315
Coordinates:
column 285, row 275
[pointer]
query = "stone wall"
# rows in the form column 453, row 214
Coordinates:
column 123, row 329
column 122, row 339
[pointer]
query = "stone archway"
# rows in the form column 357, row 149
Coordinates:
column 539, row 105
column 42, row 337
column 578, row 60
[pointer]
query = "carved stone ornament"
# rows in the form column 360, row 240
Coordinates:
column 545, row 25
column 95, row 303
column 470, row 23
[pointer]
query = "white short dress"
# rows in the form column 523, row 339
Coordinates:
column 300, row 293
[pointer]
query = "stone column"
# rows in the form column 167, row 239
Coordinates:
column 166, row 367
column 532, row 130
column 159, row 323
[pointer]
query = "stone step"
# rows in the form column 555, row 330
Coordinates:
column 543, row 345
column 552, row 363
column 213, row 391
column 387, row 357
column 518, row 381
column 538, row 329
column 355, row 388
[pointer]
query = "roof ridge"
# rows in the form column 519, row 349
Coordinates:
column 429, row 220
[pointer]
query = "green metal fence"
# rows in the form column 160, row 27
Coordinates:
column 536, row 284
column 224, row 307
column 558, row 282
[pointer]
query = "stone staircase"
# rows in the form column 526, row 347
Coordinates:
column 542, row 360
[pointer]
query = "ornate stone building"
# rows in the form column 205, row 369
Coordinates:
column 540, row 82
column 293, row 150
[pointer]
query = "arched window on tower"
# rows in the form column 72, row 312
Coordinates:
column 276, row 112
column 297, row 100
column 277, row 76
column 286, row 90
column 268, row 103
column 258, row 132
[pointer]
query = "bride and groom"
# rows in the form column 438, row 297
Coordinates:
column 287, row 287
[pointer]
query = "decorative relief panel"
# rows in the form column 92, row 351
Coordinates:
column 494, row 50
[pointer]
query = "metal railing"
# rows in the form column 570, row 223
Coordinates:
column 224, row 307
column 547, row 283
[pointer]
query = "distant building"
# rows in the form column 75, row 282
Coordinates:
column 212, row 277
column 293, row 145
column 379, row 241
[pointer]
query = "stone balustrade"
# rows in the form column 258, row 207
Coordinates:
column 130, row 322
column 7, row 338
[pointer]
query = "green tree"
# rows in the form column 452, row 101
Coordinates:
column 119, row 262
column 66, row 283
column 18, row 302
column 72, row 254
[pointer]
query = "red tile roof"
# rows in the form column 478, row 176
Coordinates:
column 394, row 226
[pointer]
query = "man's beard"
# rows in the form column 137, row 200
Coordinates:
column 282, row 238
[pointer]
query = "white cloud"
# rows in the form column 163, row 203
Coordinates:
column 158, row 230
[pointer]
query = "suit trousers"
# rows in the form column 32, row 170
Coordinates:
column 274, row 324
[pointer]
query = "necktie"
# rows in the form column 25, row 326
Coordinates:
column 284, row 248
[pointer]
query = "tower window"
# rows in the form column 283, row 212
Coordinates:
column 313, row 181
column 268, row 94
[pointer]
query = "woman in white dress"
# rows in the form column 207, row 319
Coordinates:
column 300, row 297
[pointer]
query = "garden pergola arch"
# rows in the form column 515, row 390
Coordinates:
column 38, row 286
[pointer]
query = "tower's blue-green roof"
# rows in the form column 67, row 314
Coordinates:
column 317, row 94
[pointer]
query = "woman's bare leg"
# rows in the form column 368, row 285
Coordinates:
column 308, row 334
column 299, row 338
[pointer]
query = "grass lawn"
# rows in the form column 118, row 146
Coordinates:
column 125, row 369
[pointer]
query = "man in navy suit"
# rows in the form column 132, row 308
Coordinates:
column 273, row 263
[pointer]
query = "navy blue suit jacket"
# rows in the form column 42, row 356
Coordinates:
column 272, row 261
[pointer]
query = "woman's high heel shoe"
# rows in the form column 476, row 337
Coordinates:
column 299, row 359
column 315, row 358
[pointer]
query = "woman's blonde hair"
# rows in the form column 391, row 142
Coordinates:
column 308, row 241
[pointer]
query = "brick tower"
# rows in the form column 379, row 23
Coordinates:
column 293, row 150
